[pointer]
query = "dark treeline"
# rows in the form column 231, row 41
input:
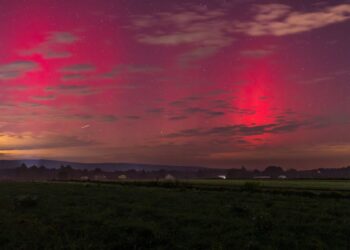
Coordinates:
column 67, row 172
column 276, row 172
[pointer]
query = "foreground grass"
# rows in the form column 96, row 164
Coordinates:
column 303, row 185
column 107, row 216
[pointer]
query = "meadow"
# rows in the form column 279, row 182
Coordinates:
column 198, row 214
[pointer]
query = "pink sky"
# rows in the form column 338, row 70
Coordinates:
column 221, row 84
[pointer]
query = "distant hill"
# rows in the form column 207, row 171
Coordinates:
column 9, row 164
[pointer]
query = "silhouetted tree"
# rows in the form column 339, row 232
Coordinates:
column 22, row 170
column 273, row 171
column 241, row 173
column 63, row 173
column 97, row 171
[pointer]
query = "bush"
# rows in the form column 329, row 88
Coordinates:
column 263, row 223
column 26, row 201
column 251, row 186
column 240, row 210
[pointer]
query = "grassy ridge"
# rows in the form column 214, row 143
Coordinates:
column 106, row 216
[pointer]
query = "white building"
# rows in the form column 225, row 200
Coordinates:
column 169, row 177
column 100, row 178
column 84, row 178
column 122, row 177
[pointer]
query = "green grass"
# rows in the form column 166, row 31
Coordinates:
column 325, row 185
column 181, row 216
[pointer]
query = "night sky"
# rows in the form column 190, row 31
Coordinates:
column 213, row 83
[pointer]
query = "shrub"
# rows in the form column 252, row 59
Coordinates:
column 26, row 201
column 262, row 223
column 240, row 210
column 251, row 186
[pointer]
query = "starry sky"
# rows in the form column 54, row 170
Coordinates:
column 214, row 83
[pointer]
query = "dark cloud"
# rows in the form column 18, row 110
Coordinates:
column 31, row 104
column 16, row 69
column 70, row 89
column 197, row 26
column 44, row 97
column 7, row 106
column 109, row 118
column 178, row 118
column 221, row 104
column 62, row 37
column 256, row 53
column 205, row 30
column 82, row 116
column 196, row 54
column 56, row 54
column 54, row 46
column 132, row 69
column 208, row 112
column 78, row 68
column 45, row 141
column 133, row 117
column 281, row 19
column 339, row 76
column 73, row 77
column 178, row 103
column 240, row 130
column 155, row 110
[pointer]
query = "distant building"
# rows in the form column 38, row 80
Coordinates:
column 84, row 178
column 122, row 177
column 169, row 177
column 282, row 177
column 100, row 178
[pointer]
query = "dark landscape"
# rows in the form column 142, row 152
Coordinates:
column 161, row 125
column 142, row 206
column 172, row 216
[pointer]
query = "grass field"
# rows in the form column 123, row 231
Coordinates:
column 201, row 214
column 322, row 185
